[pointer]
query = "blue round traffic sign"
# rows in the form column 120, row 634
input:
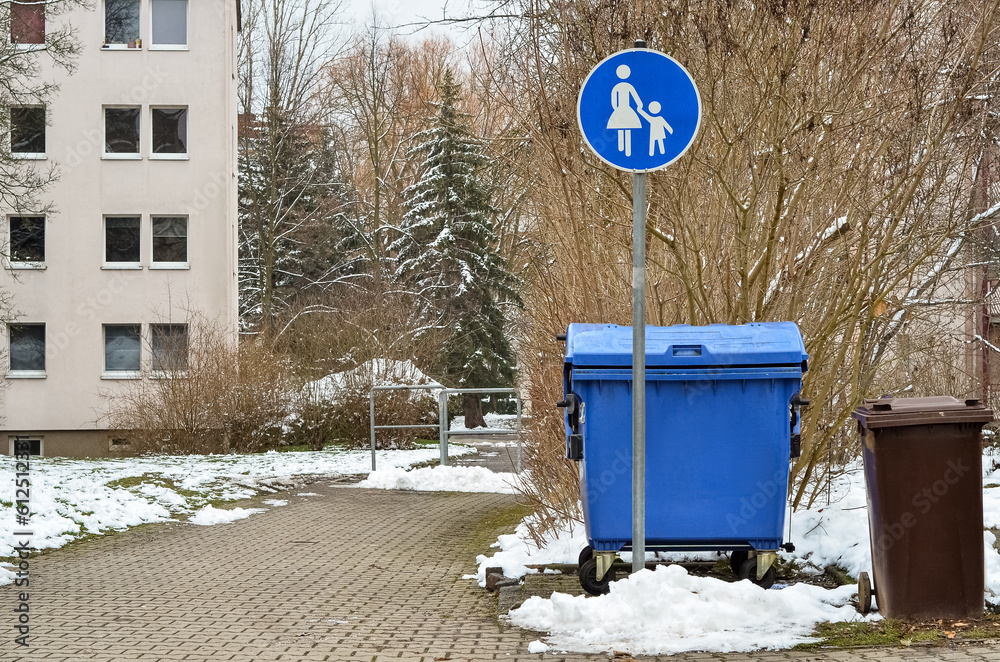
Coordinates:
column 639, row 110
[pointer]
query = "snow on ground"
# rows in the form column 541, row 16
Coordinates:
column 493, row 421
column 442, row 479
column 71, row 498
column 670, row 611
column 210, row 515
column 518, row 550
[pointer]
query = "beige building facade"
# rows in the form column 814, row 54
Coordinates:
column 142, row 228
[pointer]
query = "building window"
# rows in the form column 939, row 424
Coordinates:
column 170, row 130
column 170, row 347
column 27, row 22
column 170, row 240
column 121, row 241
column 19, row 444
column 122, row 348
column 121, row 22
column 27, row 349
column 27, row 131
column 27, row 240
column 121, row 131
column 169, row 23
column 119, row 443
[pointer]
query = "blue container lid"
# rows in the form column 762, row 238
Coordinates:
column 715, row 345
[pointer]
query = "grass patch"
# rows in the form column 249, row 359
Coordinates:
column 504, row 520
column 892, row 632
column 150, row 479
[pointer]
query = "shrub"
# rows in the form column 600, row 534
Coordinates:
column 230, row 396
column 336, row 407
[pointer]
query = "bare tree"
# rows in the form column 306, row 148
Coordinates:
column 288, row 175
column 32, row 38
column 830, row 184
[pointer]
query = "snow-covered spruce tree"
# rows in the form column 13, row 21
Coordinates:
column 447, row 255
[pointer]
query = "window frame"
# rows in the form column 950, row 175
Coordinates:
column 12, row 439
column 27, row 156
column 120, row 156
column 153, row 46
column 105, row 264
column 158, row 372
column 27, row 374
column 119, row 374
column 118, row 46
column 170, row 156
column 21, row 264
column 153, row 263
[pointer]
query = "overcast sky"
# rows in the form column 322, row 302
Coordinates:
column 403, row 14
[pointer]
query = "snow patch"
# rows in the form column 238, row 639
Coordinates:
column 210, row 515
column 442, row 479
column 669, row 611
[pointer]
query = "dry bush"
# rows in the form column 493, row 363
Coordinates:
column 232, row 397
column 368, row 337
column 831, row 184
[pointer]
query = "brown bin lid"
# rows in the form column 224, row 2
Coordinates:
column 896, row 412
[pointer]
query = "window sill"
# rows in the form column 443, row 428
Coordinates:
column 30, row 266
column 28, row 156
column 128, row 266
column 130, row 374
column 168, row 157
column 121, row 157
column 120, row 47
column 165, row 374
column 171, row 266
column 26, row 374
column 168, row 47
column 29, row 47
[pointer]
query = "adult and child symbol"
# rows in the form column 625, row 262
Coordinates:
column 625, row 119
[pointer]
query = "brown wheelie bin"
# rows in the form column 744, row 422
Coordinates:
column 923, row 467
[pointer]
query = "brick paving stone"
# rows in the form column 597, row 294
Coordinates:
column 351, row 575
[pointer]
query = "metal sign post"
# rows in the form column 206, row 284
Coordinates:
column 638, row 370
column 638, row 111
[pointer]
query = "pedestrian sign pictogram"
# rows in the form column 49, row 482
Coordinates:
column 639, row 110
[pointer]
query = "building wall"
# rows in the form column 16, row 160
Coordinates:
column 74, row 295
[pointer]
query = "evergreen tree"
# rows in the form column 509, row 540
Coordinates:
column 447, row 255
column 294, row 235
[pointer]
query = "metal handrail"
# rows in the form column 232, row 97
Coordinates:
column 443, row 418
column 442, row 424
column 394, row 387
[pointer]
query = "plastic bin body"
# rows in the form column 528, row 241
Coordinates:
column 923, row 470
column 717, row 433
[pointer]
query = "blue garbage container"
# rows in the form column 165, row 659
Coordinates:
column 722, row 421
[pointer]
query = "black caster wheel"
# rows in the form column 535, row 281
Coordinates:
column 588, row 578
column 737, row 559
column 586, row 554
column 749, row 571
column 864, row 593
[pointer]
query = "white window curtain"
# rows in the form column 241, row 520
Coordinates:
column 170, row 22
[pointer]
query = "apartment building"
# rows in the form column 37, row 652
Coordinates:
column 142, row 226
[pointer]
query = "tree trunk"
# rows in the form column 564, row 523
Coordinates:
column 472, row 406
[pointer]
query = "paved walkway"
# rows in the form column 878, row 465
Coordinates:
column 350, row 574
